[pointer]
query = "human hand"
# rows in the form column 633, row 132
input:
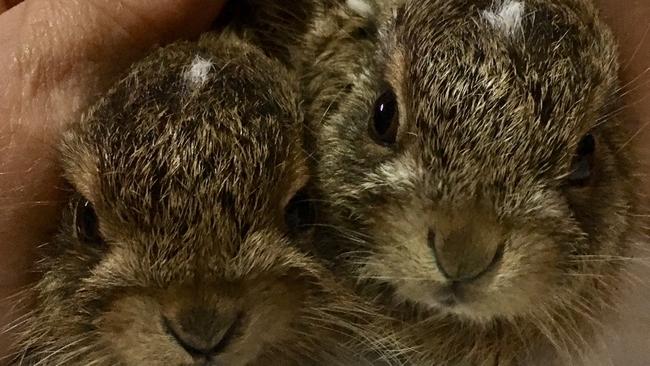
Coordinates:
column 628, row 340
column 55, row 58
column 631, row 26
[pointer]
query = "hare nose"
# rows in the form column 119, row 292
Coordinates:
column 463, row 254
column 201, row 332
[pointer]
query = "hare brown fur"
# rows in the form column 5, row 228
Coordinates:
column 476, row 178
column 175, row 248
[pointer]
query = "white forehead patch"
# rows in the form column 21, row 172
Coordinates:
column 197, row 74
column 361, row 7
column 506, row 17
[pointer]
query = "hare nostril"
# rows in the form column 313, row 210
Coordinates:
column 498, row 255
column 431, row 241
column 202, row 333
column 180, row 339
column 463, row 256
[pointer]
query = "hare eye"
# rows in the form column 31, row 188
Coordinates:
column 582, row 166
column 385, row 121
column 86, row 223
column 299, row 214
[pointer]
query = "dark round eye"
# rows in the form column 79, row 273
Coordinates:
column 583, row 161
column 299, row 214
column 86, row 223
column 385, row 121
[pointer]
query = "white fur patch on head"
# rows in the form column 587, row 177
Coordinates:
column 361, row 7
column 506, row 17
column 197, row 74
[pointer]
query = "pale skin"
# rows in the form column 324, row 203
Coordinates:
column 57, row 56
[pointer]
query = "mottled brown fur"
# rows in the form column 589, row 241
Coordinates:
column 489, row 120
column 189, row 162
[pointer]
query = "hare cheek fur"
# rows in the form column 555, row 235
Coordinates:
column 175, row 249
column 469, row 211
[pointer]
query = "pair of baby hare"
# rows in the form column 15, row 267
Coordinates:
column 330, row 182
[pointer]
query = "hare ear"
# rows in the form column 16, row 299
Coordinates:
column 80, row 166
column 274, row 26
